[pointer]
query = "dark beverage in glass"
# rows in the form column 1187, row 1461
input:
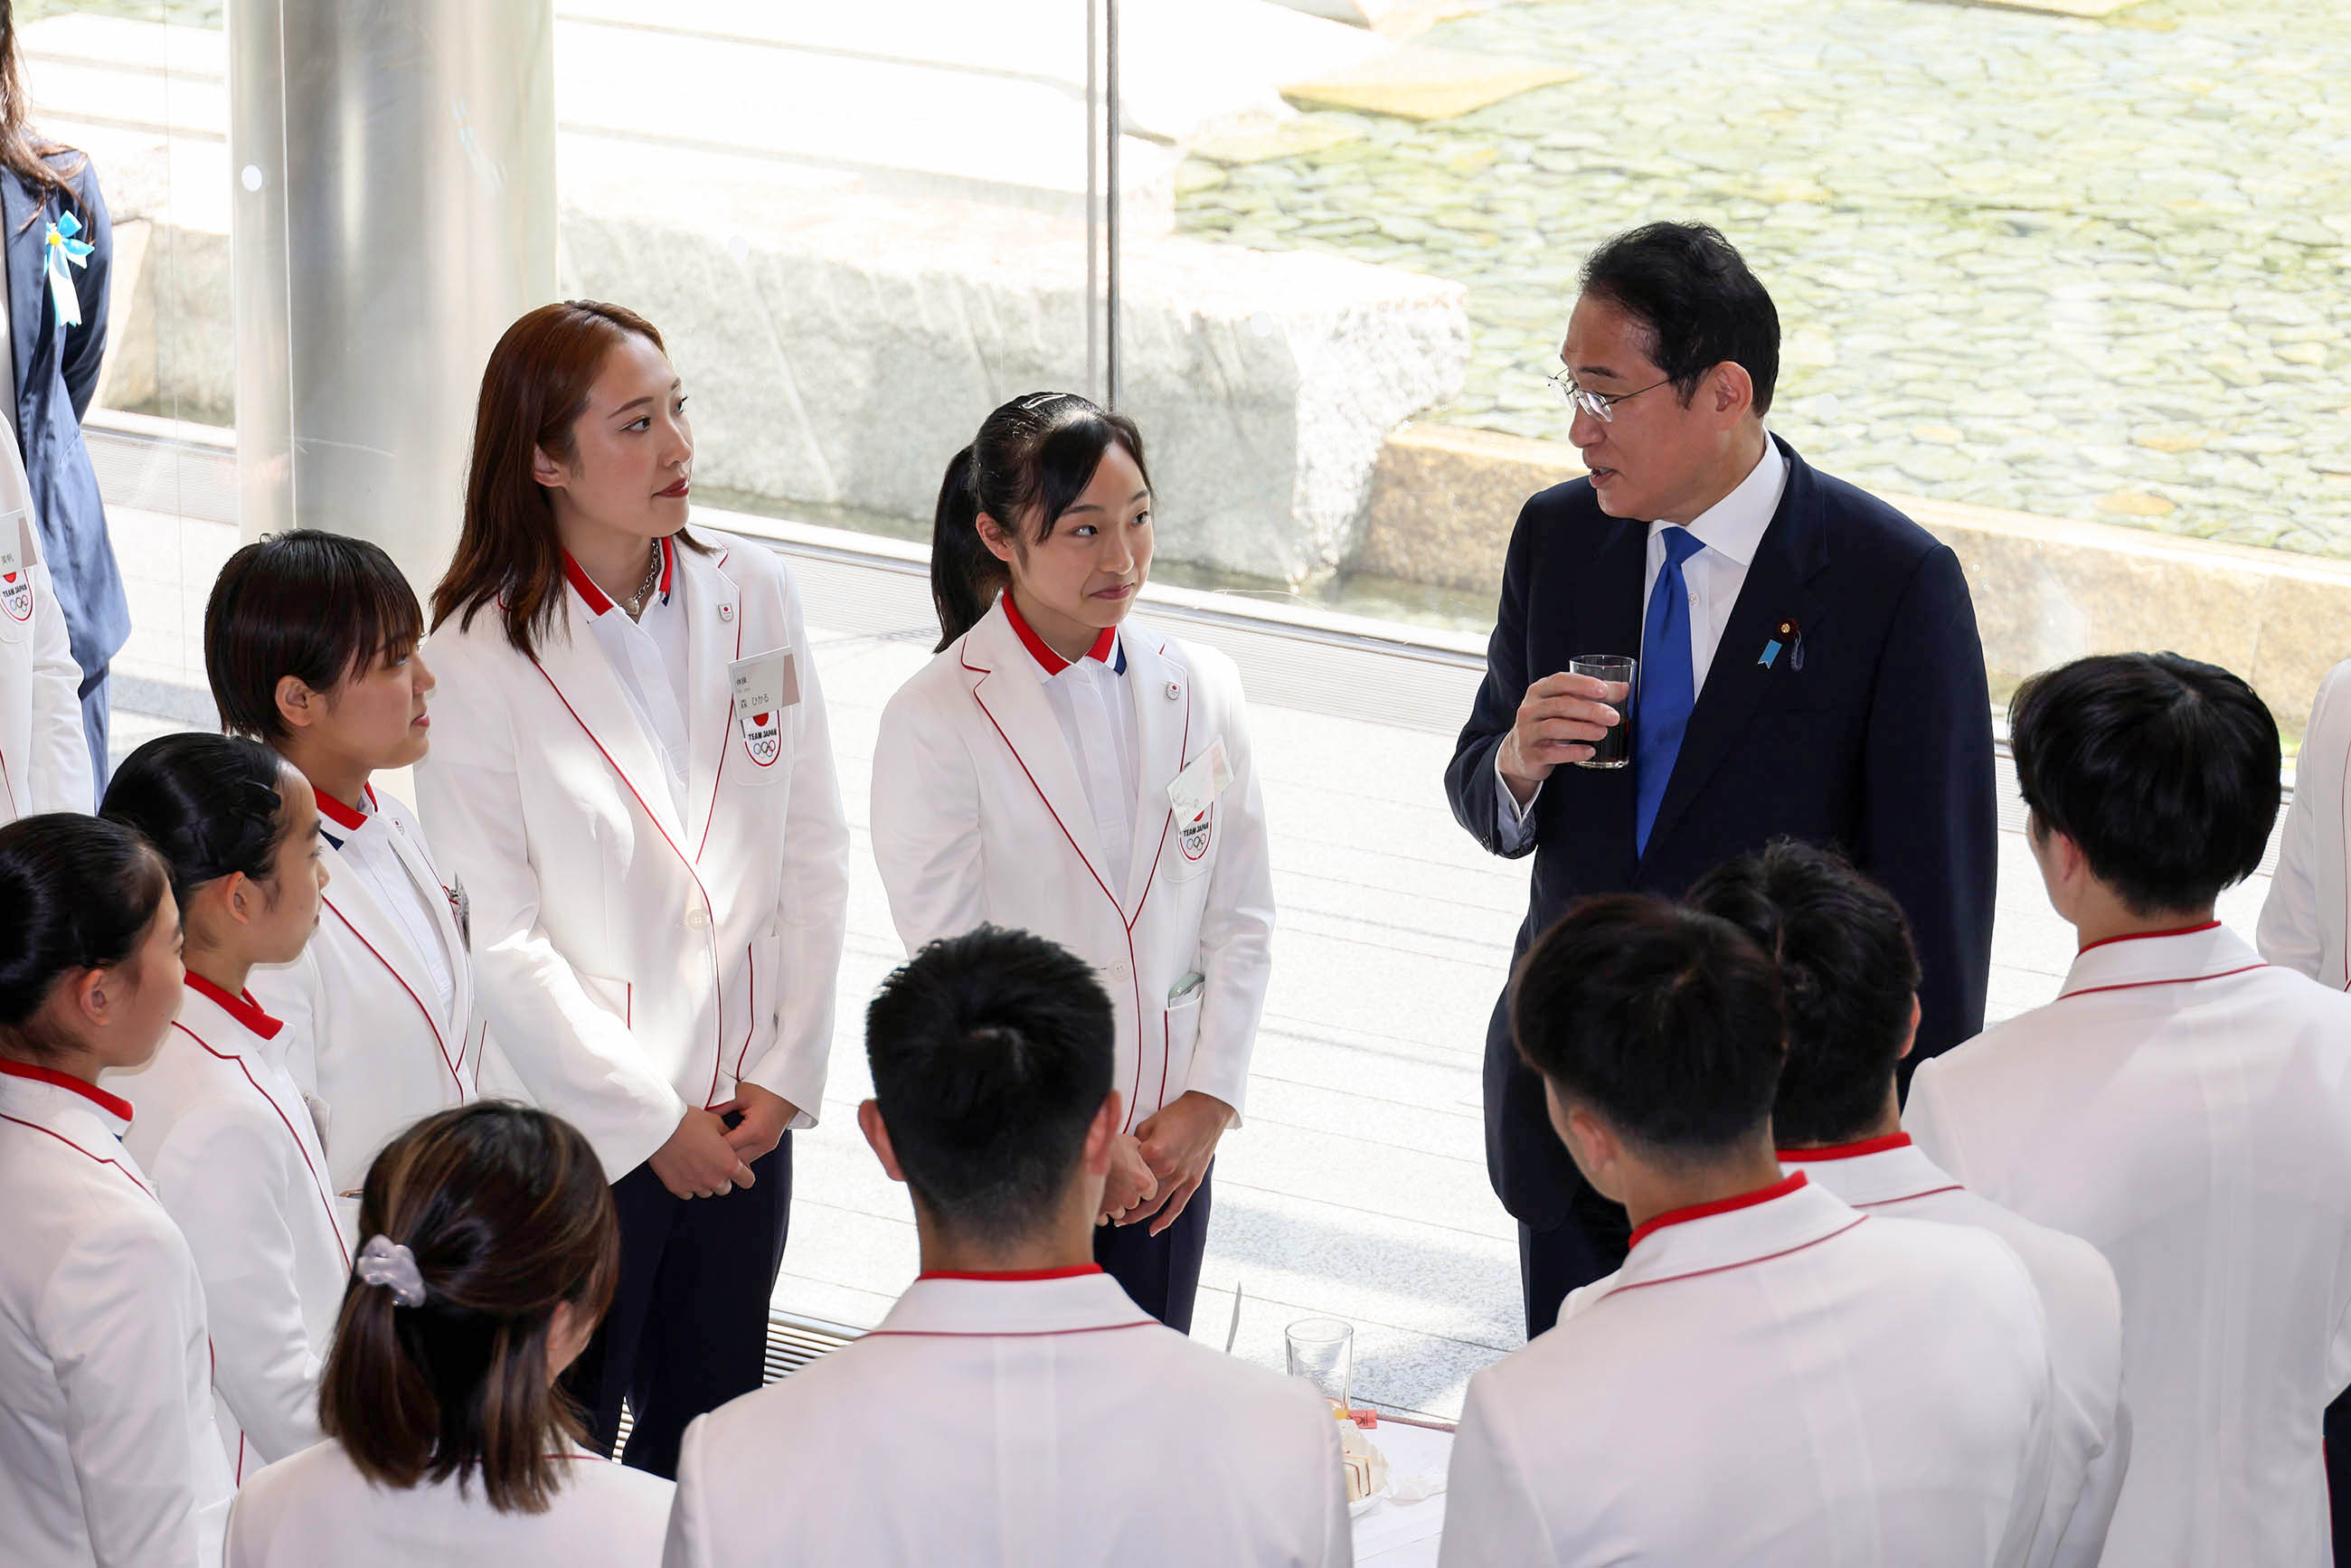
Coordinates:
column 1614, row 749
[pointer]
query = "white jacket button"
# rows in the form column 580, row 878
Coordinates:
column 697, row 919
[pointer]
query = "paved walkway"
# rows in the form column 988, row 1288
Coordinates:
column 1357, row 1187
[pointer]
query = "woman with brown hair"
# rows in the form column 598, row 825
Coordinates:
column 632, row 774
column 60, row 247
column 491, row 1255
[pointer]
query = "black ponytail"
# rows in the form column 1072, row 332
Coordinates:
column 211, row 803
column 76, row 894
column 1032, row 458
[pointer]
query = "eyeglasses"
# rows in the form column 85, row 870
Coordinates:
column 1596, row 404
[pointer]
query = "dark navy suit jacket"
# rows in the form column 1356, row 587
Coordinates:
column 1870, row 730
column 57, row 372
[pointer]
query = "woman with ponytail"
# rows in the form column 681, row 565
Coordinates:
column 221, row 1124
column 1064, row 768
column 109, row 1455
column 491, row 1255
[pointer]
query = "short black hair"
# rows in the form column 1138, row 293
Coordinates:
column 1692, row 289
column 991, row 1052
column 1663, row 1020
column 1848, row 978
column 318, row 606
column 2163, row 769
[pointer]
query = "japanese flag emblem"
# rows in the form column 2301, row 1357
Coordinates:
column 16, row 594
column 763, row 735
column 1197, row 833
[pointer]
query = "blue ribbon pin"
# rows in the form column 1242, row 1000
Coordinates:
column 65, row 252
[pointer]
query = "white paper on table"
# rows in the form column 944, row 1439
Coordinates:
column 1391, row 1534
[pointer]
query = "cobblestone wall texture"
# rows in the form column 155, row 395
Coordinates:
column 2093, row 270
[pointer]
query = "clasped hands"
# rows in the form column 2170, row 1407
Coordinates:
column 705, row 1158
column 1154, row 1170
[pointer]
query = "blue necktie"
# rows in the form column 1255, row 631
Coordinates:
column 1668, row 686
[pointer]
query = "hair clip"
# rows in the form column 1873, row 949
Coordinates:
column 389, row 1263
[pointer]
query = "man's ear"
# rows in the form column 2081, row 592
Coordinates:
column 297, row 705
column 877, row 1137
column 1730, row 389
column 1910, row 1035
column 1102, row 1136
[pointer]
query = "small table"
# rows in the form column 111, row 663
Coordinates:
column 1391, row 1534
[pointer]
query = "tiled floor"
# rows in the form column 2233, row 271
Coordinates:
column 1357, row 1187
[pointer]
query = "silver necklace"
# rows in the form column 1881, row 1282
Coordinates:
column 646, row 590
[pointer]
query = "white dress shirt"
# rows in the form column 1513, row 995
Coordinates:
column 1034, row 1420
column 2185, row 1109
column 1096, row 712
column 2090, row 1430
column 649, row 656
column 1774, row 1381
column 1731, row 531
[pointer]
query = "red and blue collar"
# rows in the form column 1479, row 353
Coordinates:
column 242, row 1008
column 342, row 816
column 597, row 600
column 1105, row 645
column 113, row 1106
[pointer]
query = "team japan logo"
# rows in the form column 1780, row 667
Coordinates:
column 763, row 735
column 1197, row 833
column 17, row 595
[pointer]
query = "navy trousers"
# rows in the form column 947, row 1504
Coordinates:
column 1589, row 1244
column 1161, row 1272
column 688, row 1327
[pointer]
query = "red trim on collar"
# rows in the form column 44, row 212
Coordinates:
column 1071, row 1272
column 2149, row 935
column 597, row 600
column 1780, row 1189
column 1042, row 651
column 1847, row 1151
column 112, row 1104
column 342, row 816
column 242, row 1008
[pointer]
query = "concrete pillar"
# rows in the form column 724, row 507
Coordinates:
column 394, row 211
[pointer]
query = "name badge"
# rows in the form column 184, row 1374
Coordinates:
column 765, row 686
column 17, row 558
column 1201, row 782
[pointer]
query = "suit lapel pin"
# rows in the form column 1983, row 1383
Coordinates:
column 1790, row 636
column 726, row 612
column 1174, row 691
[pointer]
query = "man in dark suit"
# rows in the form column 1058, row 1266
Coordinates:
column 1808, row 667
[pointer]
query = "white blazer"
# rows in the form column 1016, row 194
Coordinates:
column 1777, row 1381
column 44, row 754
column 2306, row 922
column 316, row 1508
column 2186, row 1110
column 1016, row 1422
column 2090, row 1429
column 109, row 1453
column 225, row 1133
column 376, row 1046
column 978, row 816
column 634, row 963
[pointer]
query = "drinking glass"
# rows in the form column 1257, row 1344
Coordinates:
column 1614, row 749
column 1323, row 1352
